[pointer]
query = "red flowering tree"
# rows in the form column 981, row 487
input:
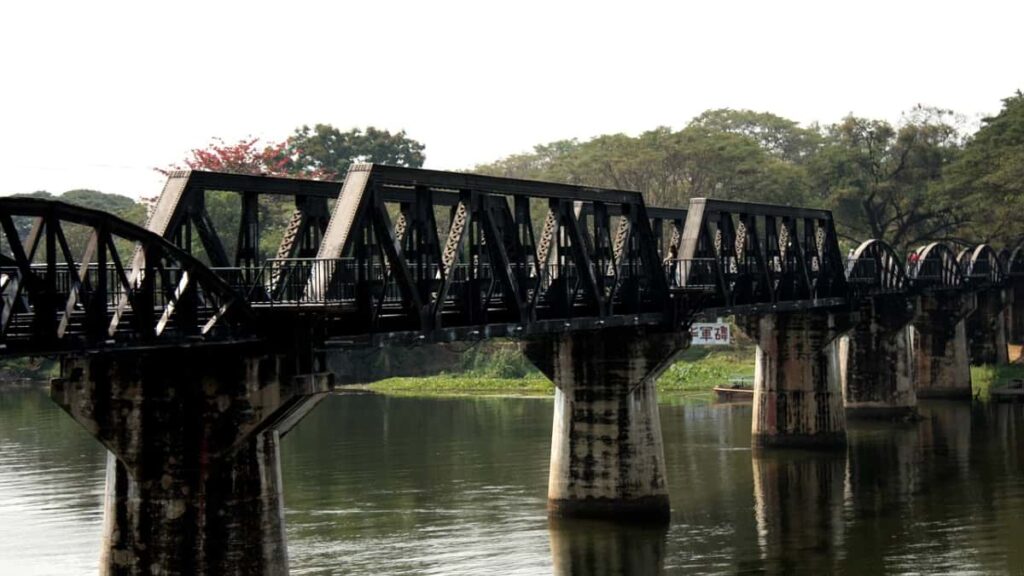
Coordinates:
column 247, row 156
column 322, row 153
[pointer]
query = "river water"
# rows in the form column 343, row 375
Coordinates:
column 388, row 485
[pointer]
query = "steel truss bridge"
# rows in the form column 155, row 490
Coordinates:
column 406, row 255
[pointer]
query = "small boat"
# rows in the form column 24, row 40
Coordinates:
column 737, row 390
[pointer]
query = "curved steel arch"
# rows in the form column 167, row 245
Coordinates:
column 876, row 265
column 54, row 300
column 981, row 265
column 936, row 267
column 1014, row 265
column 1004, row 258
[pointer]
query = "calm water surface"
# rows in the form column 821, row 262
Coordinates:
column 378, row 485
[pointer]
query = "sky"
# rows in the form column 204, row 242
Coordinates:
column 97, row 94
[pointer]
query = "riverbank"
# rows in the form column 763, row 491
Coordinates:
column 984, row 379
column 693, row 375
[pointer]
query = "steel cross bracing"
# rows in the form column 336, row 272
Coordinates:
column 125, row 287
column 408, row 255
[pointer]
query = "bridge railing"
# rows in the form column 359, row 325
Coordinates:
column 700, row 274
column 82, row 280
column 353, row 282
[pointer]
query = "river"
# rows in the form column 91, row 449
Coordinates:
column 394, row 485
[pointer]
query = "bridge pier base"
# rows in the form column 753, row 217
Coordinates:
column 193, row 477
column 798, row 400
column 607, row 456
column 941, row 364
column 986, row 328
column 877, row 361
column 1015, row 314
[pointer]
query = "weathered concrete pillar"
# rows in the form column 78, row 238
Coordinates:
column 1015, row 333
column 193, row 480
column 607, row 458
column 798, row 398
column 939, row 333
column 877, row 361
column 986, row 328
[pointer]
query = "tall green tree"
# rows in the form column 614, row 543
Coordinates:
column 781, row 137
column 330, row 151
column 669, row 167
column 989, row 177
column 886, row 181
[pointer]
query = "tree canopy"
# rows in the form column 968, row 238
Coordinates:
column 918, row 180
column 321, row 152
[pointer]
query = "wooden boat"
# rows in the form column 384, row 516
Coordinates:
column 737, row 390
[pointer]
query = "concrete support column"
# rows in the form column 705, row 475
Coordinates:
column 986, row 328
column 1015, row 332
column 798, row 398
column 193, row 477
column 940, row 346
column 877, row 360
column 607, row 457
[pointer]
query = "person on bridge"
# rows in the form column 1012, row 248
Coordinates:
column 670, row 264
column 913, row 259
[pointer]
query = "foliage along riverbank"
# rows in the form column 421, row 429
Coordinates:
column 986, row 378
column 694, row 375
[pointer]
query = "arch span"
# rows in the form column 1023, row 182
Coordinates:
column 73, row 278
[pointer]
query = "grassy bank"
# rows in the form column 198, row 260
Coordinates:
column 695, row 374
column 986, row 378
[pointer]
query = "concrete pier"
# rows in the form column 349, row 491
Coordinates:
column 798, row 399
column 939, row 333
column 986, row 327
column 877, row 361
column 193, row 478
column 607, row 457
column 1015, row 313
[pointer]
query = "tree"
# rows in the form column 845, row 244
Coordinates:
column 247, row 156
column 324, row 149
column 989, row 177
column 781, row 137
column 885, row 182
column 669, row 167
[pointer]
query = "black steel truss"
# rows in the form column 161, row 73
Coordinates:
column 410, row 254
column 129, row 288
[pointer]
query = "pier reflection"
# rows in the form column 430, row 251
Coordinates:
column 798, row 507
column 596, row 548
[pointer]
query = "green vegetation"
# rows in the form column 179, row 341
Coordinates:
column 464, row 384
column 701, row 369
column 986, row 378
column 28, row 369
column 503, row 370
column 922, row 179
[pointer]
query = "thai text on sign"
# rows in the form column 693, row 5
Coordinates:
column 710, row 334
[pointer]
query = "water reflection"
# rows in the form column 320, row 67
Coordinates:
column 799, row 509
column 593, row 548
column 376, row 485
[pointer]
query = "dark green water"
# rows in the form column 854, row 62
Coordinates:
column 377, row 485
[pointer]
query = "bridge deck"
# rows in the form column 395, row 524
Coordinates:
column 410, row 255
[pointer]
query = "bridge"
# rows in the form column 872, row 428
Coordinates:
column 188, row 353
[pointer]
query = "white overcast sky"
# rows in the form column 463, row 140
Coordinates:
column 94, row 94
